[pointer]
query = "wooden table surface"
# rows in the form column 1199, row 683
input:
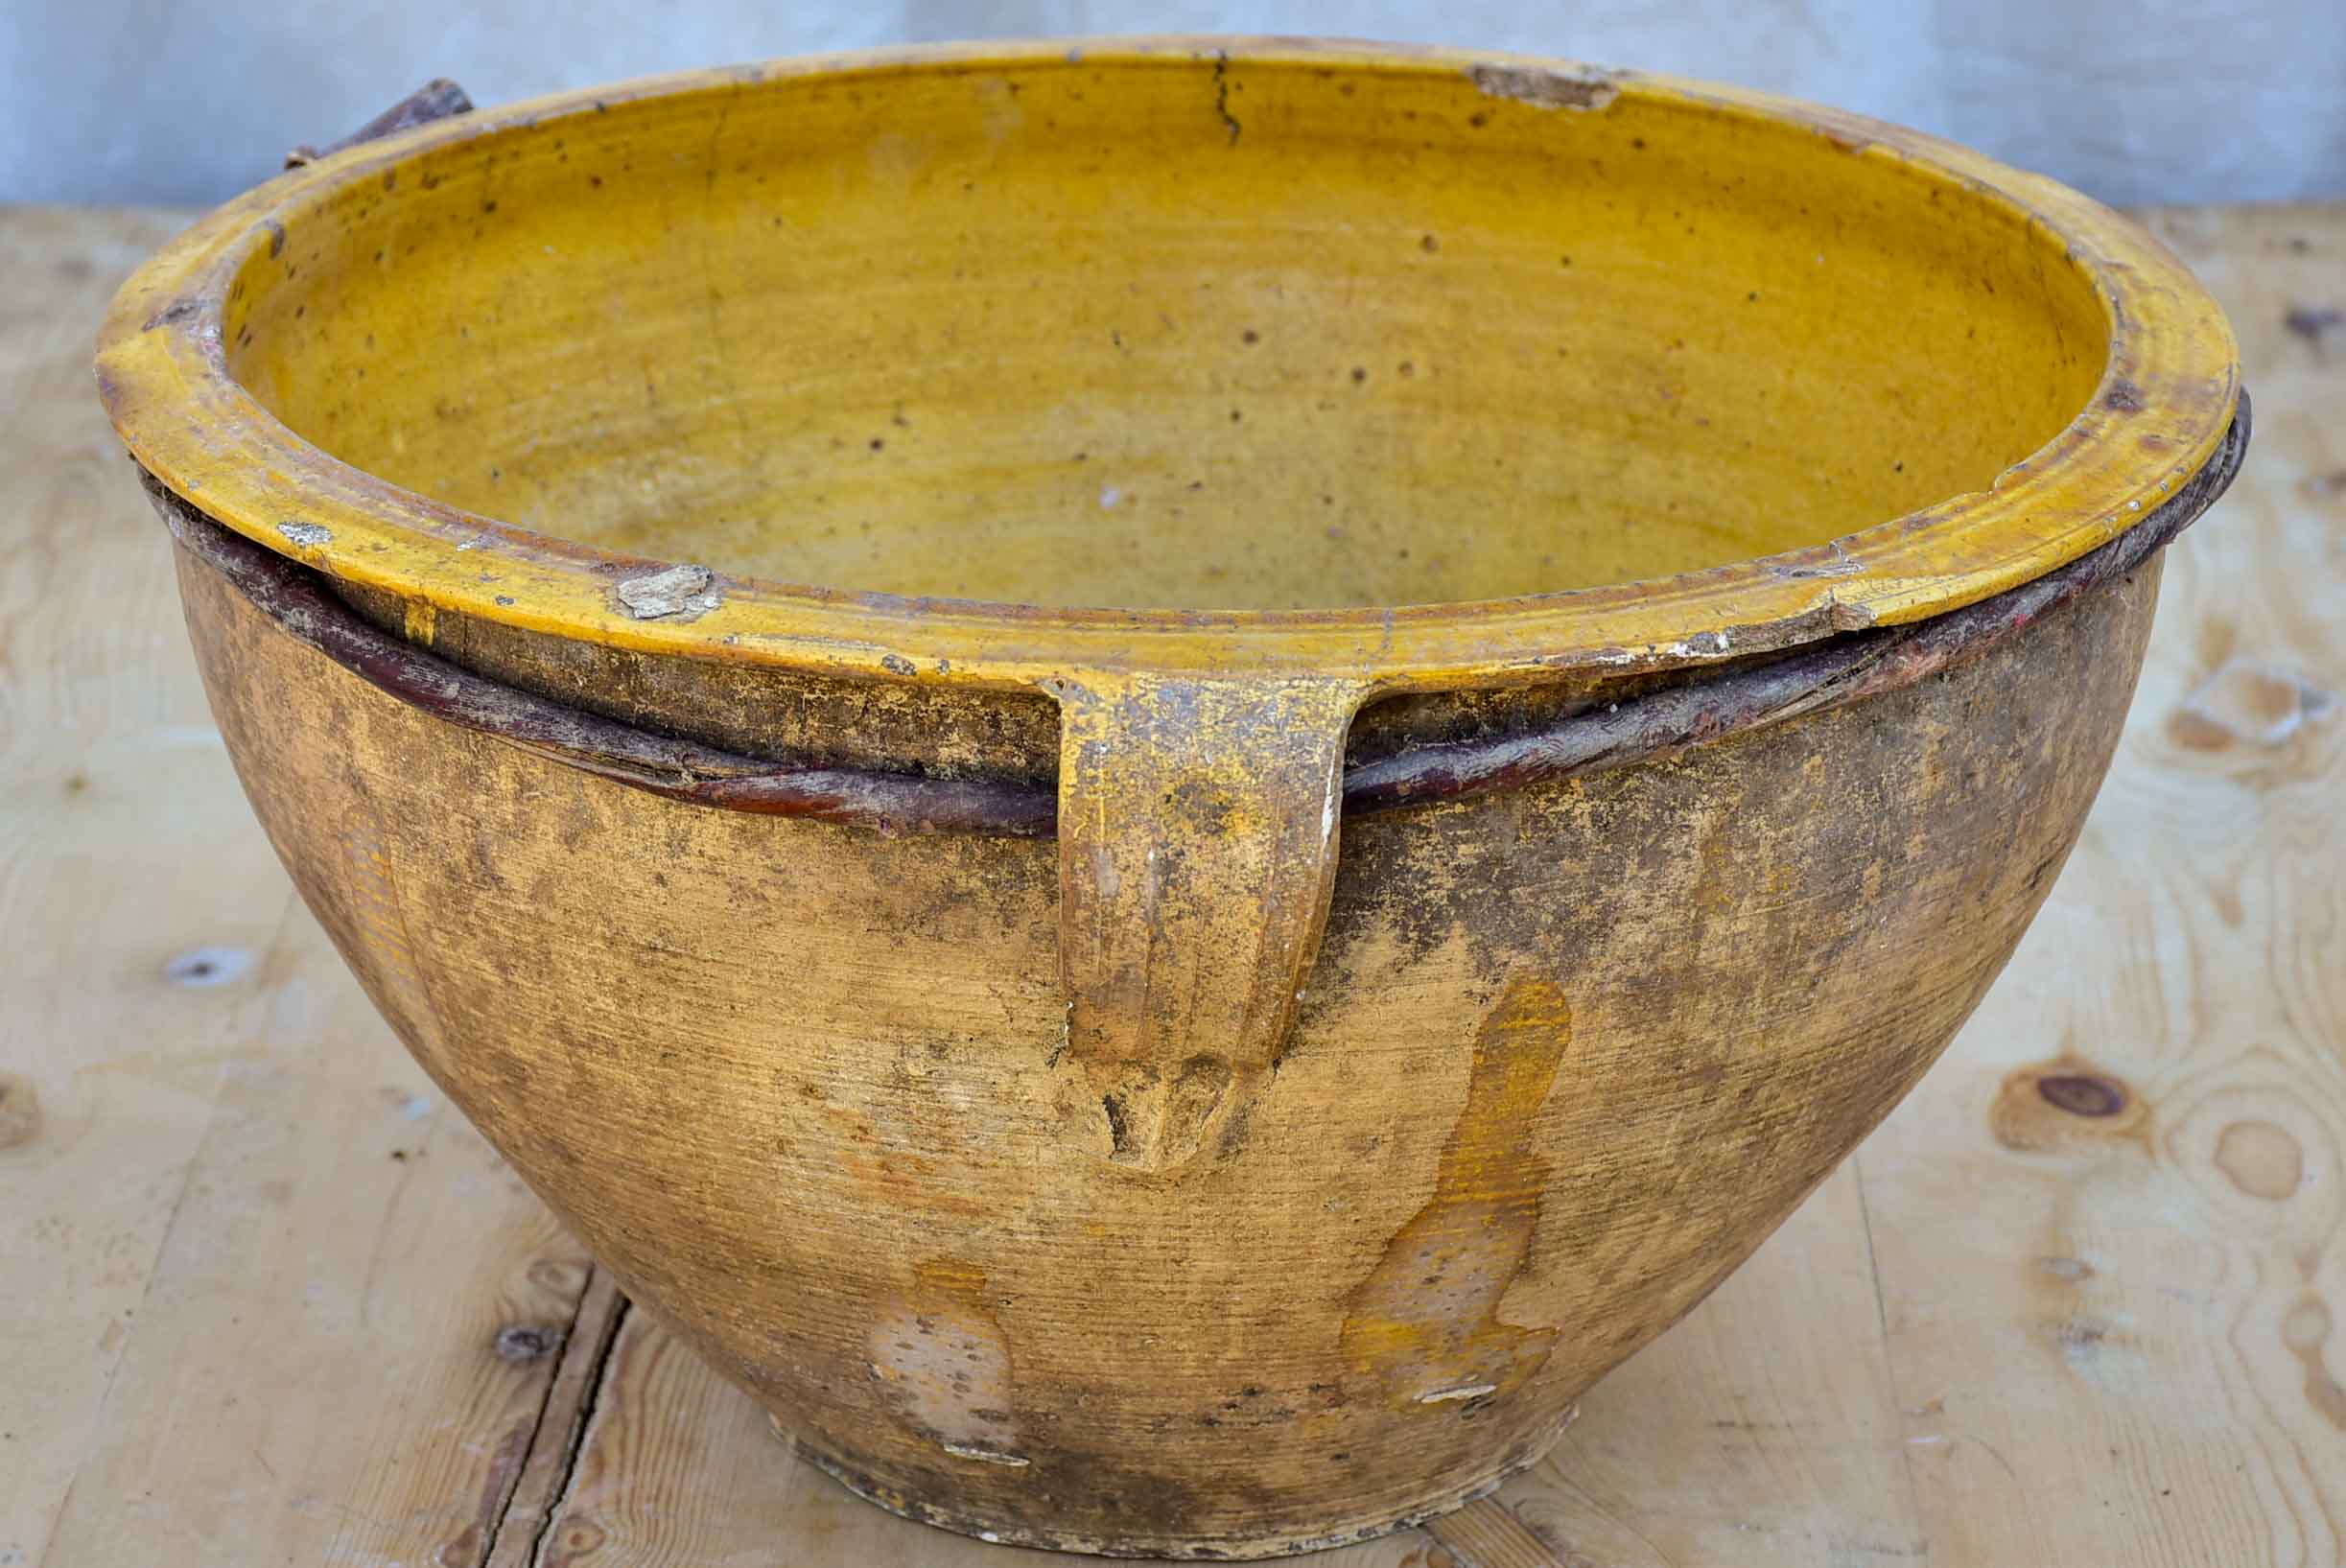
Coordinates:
column 264, row 1297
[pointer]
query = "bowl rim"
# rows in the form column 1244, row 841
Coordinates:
column 2164, row 402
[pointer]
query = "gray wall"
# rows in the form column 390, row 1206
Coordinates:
column 2132, row 100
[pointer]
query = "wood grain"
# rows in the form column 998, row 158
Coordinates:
column 2113, row 1333
column 1487, row 1533
column 553, row 1451
column 113, row 1062
column 2006, row 1334
column 307, row 1252
column 1766, row 1434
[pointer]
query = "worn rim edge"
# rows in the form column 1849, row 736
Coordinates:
column 1706, row 708
column 167, row 389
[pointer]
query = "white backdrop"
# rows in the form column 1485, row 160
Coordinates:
column 2132, row 100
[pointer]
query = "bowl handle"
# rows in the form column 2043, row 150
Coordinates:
column 435, row 99
column 1197, row 850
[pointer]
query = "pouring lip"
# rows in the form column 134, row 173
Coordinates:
column 2165, row 400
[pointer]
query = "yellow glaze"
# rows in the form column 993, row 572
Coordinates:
column 1429, row 369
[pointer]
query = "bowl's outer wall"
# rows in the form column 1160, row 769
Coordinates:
column 1565, row 1057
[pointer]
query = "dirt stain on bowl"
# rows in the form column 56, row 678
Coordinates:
column 942, row 1364
column 1425, row 1322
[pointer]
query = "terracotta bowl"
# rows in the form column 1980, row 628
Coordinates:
column 1169, row 779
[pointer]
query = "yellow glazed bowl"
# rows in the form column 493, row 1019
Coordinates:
column 1168, row 778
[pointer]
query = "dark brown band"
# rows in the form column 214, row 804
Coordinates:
column 1703, row 709
column 298, row 601
column 1752, row 697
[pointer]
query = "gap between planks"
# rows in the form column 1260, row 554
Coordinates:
column 544, row 1482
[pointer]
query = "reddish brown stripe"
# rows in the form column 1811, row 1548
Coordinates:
column 1752, row 697
column 1672, row 718
column 296, row 599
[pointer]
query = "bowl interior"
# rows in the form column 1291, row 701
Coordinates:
column 1171, row 332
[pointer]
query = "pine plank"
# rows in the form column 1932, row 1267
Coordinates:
column 323, row 1367
column 253, row 1271
column 125, row 926
column 1762, row 1430
column 2114, row 1334
column 2006, row 1334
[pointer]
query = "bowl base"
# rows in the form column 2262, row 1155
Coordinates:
column 1217, row 1549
